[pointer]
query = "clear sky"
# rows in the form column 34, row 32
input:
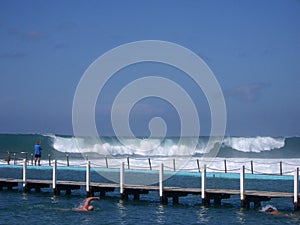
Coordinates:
column 253, row 48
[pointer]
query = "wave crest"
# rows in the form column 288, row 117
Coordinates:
column 169, row 147
column 112, row 147
column 254, row 144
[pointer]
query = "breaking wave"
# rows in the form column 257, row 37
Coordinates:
column 254, row 144
column 111, row 146
column 167, row 147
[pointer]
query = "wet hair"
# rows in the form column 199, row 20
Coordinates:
column 270, row 209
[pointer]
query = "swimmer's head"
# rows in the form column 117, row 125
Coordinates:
column 90, row 208
column 270, row 209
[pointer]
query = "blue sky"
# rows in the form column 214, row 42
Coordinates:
column 252, row 47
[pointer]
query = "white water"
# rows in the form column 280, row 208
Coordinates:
column 171, row 154
column 254, row 144
column 153, row 147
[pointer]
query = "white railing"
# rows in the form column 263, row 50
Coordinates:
column 227, row 165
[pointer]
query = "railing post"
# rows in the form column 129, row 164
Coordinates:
column 251, row 167
column 198, row 164
column 163, row 199
column 25, row 175
column 8, row 157
column 88, row 178
column 205, row 201
column 280, row 168
column 106, row 162
column 68, row 162
column 54, row 176
column 244, row 203
column 225, row 166
column 174, row 165
column 149, row 163
column 122, row 180
column 296, row 189
column 128, row 163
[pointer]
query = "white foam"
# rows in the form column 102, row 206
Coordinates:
column 154, row 147
column 141, row 147
column 254, row 144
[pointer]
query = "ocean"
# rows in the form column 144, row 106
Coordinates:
column 265, row 159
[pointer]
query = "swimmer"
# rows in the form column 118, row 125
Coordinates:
column 86, row 206
column 273, row 211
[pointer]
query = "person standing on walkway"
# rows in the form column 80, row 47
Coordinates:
column 37, row 153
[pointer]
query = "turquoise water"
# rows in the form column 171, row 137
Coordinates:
column 180, row 173
column 17, row 207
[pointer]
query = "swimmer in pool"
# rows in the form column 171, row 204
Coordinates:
column 86, row 206
column 272, row 210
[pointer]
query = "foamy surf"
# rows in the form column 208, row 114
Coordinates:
column 156, row 147
column 254, row 144
column 266, row 153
